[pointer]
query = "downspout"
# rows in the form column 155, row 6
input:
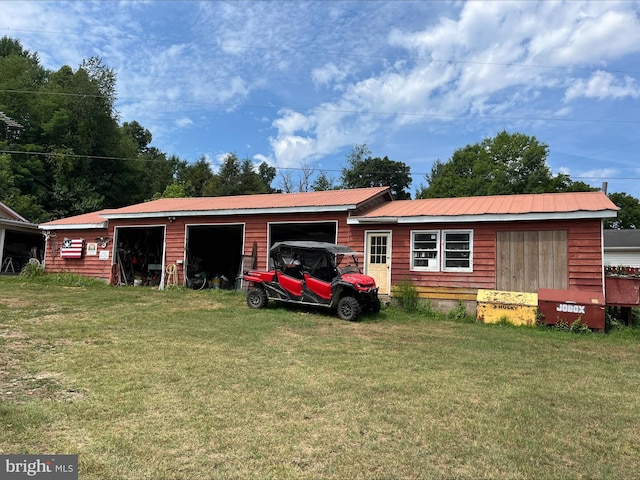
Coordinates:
column 2, row 236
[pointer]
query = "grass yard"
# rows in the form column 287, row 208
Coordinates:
column 182, row 384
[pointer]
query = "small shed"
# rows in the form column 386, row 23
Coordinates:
column 20, row 241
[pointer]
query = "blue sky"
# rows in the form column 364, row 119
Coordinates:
column 298, row 83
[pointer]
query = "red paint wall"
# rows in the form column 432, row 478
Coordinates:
column 584, row 252
column 584, row 247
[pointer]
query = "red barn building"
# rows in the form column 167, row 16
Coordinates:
column 448, row 248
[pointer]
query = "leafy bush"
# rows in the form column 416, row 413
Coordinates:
column 561, row 326
column 460, row 314
column 406, row 294
column 31, row 270
column 575, row 327
column 579, row 327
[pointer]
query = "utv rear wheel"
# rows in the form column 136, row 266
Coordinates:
column 348, row 309
column 257, row 298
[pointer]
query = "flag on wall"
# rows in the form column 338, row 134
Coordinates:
column 72, row 248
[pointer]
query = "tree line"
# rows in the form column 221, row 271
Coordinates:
column 64, row 151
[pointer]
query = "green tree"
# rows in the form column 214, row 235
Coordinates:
column 173, row 190
column 195, row 177
column 629, row 213
column 237, row 177
column 366, row 171
column 322, row 183
column 509, row 163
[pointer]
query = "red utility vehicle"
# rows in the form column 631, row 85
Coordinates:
column 314, row 273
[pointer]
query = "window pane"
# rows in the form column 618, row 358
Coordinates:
column 457, row 250
column 425, row 251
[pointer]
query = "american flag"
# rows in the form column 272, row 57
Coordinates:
column 72, row 248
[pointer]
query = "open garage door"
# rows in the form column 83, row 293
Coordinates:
column 214, row 255
column 309, row 231
column 18, row 248
column 138, row 256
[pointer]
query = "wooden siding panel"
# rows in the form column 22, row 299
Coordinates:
column 531, row 261
column 87, row 266
column 584, row 249
column 561, row 264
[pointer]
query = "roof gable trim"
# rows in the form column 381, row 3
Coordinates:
column 231, row 211
column 485, row 217
column 75, row 226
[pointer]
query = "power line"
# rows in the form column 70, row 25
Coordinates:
column 336, row 110
column 99, row 157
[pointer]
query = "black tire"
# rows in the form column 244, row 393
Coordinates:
column 349, row 309
column 375, row 306
column 257, row 298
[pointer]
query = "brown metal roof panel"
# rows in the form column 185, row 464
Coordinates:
column 496, row 205
column 90, row 218
column 248, row 202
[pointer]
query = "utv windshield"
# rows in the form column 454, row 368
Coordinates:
column 347, row 264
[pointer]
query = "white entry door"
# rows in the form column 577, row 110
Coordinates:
column 378, row 260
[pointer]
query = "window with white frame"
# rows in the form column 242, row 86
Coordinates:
column 425, row 250
column 447, row 250
column 457, row 253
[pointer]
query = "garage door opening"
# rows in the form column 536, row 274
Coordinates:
column 138, row 256
column 214, row 255
column 307, row 231
column 19, row 248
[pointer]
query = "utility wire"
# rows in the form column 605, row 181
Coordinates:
column 98, row 157
column 337, row 110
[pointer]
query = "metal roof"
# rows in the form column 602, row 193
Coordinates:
column 86, row 220
column 330, row 200
column 542, row 206
column 627, row 239
column 9, row 214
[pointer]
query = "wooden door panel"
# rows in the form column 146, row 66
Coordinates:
column 528, row 260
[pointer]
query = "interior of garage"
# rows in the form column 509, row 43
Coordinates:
column 297, row 231
column 19, row 248
column 139, row 255
column 214, row 255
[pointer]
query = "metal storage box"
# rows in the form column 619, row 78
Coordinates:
column 518, row 308
column 571, row 305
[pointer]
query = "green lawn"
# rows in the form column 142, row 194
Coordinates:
column 181, row 384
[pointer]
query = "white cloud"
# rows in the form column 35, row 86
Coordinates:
column 184, row 122
column 473, row 62
column 603, row 85
column 329, row 73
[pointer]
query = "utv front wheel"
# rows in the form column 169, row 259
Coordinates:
column 375, row 305
column 348, row 309
column 257, row 298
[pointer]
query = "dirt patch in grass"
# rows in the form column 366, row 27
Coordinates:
column 20, row 385
column 15, row 302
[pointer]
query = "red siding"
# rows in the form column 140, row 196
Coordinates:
column 88, row 266
column 584, row 253
column 584, row 247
